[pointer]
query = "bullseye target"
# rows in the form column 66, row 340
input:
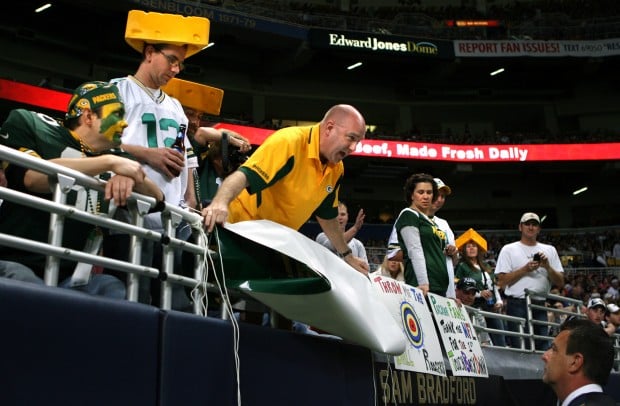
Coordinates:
column 411, row 325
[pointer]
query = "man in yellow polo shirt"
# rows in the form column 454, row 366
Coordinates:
column 293, row 175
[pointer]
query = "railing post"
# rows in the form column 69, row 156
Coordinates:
column 170, row 221
column 135, row 253
column 528, row 320
column 61, row 185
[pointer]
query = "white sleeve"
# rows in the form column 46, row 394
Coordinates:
column 411, row 238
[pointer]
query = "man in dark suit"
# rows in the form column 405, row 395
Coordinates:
column 578, row 364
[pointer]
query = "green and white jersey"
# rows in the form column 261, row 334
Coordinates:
column 422, row 244
column 41, row 136
column 153, row 120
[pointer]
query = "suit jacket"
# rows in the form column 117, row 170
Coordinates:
column 593, row 399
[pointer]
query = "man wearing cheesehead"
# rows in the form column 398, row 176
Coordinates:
column 154, row 118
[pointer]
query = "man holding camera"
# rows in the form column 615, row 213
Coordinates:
column 528, row 265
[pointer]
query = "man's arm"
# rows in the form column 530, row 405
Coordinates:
column 204, row 135
column 217, row 211
column 3, row 181
column 507, row 279
column 556, row 278
column 128, row 176
column 332, row 230
column 190, row 192
column 353, row 230
column 38, row 182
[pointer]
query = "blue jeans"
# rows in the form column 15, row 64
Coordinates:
column 117, row 246
column 100, row 285
column 518, row 308
column 498, row 339
column 17, row 271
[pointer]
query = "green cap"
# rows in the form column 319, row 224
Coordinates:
column 91, row 95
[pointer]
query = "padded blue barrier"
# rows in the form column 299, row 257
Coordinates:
column 61, row 347
column 276, row 367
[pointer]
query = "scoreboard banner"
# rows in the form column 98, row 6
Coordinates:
column 534, row 48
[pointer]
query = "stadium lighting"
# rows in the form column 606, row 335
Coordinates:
column 355, row 65
column 496, row 72
column 43, row 8
column 583, row 189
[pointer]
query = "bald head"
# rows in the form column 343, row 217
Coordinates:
column 345, row 112
column 341, row 129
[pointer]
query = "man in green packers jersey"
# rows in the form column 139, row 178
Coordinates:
column 93, row 124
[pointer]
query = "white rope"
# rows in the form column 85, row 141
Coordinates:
column 200, row 293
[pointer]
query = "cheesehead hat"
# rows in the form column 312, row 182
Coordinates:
column 195, row 95
column 174, row 29
column 471, row 235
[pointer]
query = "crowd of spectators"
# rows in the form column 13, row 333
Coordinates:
column 583, row 249
column 536, row 19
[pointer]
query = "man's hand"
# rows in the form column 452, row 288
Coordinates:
column 424, row 288
column 532, row 266
column 359, row 220
column 165, row 160
column 119, row 188
column 450, row 250
column 129, row 168
column 215, row 213
column 168, row 161
column 238, row 140
column 357, row 263
column 3, row 181
column 486, row 294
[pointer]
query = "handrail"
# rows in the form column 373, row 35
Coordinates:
column 62, row 179
column 576, row 303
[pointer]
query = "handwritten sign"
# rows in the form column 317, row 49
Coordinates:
column 458, row 337
column 408, row 307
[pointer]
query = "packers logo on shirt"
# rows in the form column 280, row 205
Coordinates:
column 329, row 188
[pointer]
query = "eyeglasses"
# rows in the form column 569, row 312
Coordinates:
column 173, row 61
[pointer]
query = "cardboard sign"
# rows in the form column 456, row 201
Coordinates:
column 458, row 337
column 407, row 306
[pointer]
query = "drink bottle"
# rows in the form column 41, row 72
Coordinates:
column 179, row 145
column 179, row 142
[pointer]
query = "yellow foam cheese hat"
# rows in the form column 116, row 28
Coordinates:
column 158, row 28
column 195, row 95
column 471, row 235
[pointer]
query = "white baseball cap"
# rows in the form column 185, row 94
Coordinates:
column 530, row 216
column 441, row 185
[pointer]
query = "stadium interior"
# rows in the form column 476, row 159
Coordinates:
column 273, row 73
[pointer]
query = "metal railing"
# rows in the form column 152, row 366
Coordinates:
column 574, row 309
column 62, row 180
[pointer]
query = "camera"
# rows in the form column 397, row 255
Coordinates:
column 536, row 257
column 236, row 157
column 233, row 160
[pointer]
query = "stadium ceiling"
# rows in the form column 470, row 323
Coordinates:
column 96, row 29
